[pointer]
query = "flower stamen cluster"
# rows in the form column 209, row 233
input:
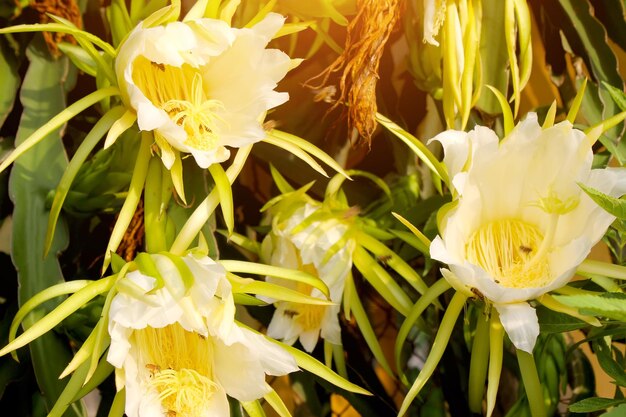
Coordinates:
column 181, row 93
column 511, row 251
column 180, row 367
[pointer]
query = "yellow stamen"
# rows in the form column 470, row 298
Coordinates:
column 180, row 365
column 514, row 252
column 181, row 93
column 308, row 316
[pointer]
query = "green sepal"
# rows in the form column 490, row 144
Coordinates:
column 275, row 271
column 266, row 289
column 225, row 195
column 381, row 281
column 365, row 327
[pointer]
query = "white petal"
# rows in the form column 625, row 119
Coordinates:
column 309, row 339
column 218, row 404
column 282, row 326
column 456, row 148
column 239, row 371
column 520, row 323
column 331, row 331
column 205, row 159
column 268, row 27
column 439, row 252
column 274, row 359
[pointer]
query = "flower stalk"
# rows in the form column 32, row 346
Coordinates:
column 532, row 384
column 478, row 363
column 439, row 346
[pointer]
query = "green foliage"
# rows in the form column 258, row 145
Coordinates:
column 615, row 206
column 42, row 97
column 609, row 305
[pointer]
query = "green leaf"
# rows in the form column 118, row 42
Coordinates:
column 418, row 308
column 589, row 405
column 552, row 322
column 9, row 79
column 618, row 411
column 119, row 20
column 42, row 97
column 295, row 151
column 62, row 28
column 314, row 366
column 612, row 14
column 614, row 206
column 587, row 38
column 618, row 96
column 507, row 114
column 592, row 37
column 604, row 353
column 610, row 305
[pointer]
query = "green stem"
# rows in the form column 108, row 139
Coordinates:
column 439, row 346
column 496, row 340
column 132, row 199
column 340, row 360
column 532, row 385
column 153, row 218
column 203, row 212
column 478, row 364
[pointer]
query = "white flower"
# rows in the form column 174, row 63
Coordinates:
column 201, row 85
column 520, row 225
column 305, row 251
column 177, row 349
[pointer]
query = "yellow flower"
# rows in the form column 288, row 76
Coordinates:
column 201, row 85
column 520, row 225
column 176, row 347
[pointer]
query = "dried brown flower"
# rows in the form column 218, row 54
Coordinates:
column 367, row 35
column 67, row 9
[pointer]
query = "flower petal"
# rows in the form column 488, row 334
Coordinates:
column 520, row 323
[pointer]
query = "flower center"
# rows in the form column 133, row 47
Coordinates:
column 180, row 367
column 308, row 316
column 180, row 92
column 514, row 252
